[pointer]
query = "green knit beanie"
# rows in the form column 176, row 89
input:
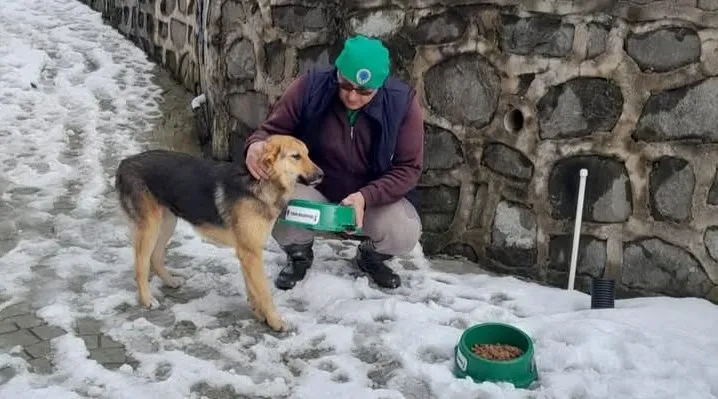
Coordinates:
column 364, row 61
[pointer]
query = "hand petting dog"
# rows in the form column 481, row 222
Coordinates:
column 254, row 154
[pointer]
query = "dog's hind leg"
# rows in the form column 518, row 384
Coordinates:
column 145, row 238
column 157, row 260
column 251, row 233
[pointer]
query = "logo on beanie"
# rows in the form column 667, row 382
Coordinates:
column 363, row 76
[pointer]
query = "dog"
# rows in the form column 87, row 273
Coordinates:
column 223, row 203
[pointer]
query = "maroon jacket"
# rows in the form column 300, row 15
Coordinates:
column 344, row 154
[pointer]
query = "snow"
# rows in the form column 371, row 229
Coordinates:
column 76, row 97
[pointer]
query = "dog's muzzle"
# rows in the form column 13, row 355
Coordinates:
column 313, row 179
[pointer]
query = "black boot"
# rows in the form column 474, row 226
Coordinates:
column 299, row 259
column 372, row 263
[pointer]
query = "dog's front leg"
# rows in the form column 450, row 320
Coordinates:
column 251, row 227
column 258, row 293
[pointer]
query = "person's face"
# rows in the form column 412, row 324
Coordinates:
column 352, row 96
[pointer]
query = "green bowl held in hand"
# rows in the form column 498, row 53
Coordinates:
column 322, row 216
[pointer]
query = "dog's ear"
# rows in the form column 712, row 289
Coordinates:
column 271, row 152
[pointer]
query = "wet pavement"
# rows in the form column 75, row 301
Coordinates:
column 22, row 332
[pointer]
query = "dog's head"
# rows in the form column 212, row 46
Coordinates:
column 286, row 160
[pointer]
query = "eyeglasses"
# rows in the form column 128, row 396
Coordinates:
column 346, row 86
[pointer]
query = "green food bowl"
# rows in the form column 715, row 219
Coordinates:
column 322, row 216
column 520, row 371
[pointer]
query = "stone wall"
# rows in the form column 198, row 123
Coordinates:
column 164, row 29
column 519, row 95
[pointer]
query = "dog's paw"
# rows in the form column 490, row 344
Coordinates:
column 276, row 323
column 174, row 281
column 153, row 304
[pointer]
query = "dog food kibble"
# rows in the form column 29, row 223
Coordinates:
column 496, row 351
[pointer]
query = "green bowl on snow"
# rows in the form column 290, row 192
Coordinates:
column 519, row 371
column 322, row 216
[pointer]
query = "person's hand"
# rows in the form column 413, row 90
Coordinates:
column 254, row 164
column 356, row 200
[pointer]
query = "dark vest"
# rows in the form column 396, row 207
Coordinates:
column 385, row 113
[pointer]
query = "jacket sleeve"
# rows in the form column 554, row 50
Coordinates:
column 407, row 163
column 283, row 117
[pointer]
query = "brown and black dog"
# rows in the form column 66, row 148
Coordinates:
column 223, row 203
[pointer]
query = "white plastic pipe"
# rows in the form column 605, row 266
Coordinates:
column 198, row 101
column 577, row 228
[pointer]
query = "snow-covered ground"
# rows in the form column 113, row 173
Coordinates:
column 75, row 97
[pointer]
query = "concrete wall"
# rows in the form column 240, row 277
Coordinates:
column 518, row 98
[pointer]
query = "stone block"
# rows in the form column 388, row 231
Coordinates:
column 298, row 19
column 108, row 355
column 507, row 161
column 462, row 250
column 654, row 265
column 150, row 28
column 687, row 112
column 671, row 186
column 713, row 295
column 478, row 207
column 402, row 53
column 597, row 38
column 513, row 235
column 46, row 332
column 107, row 342
column 164, row 30
column 590, row 260
column 167, row 7
column 608, row 195
column 525, row 81
column 241, row 62
column 178, row 33
column 91, row 341
column 710, row 240
column 440, row 28
column 579, row 107
column 315, row 55
column 40, row 349
column 15, row 310
column 41, row 366
column 27, row 321
column 713, row 191
column 377, row 23
column 442, row 150
column 19, row 337
column 89, row 327
column 708, row 5
column 171, row 63
column 232, row 16
column 274, row 59
column 249, row 107
column 184, row 6
column 543, row 35
column 664, row 49
column 6, row 374
column 465, row 89
column 438, row 206
column 7, row 326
